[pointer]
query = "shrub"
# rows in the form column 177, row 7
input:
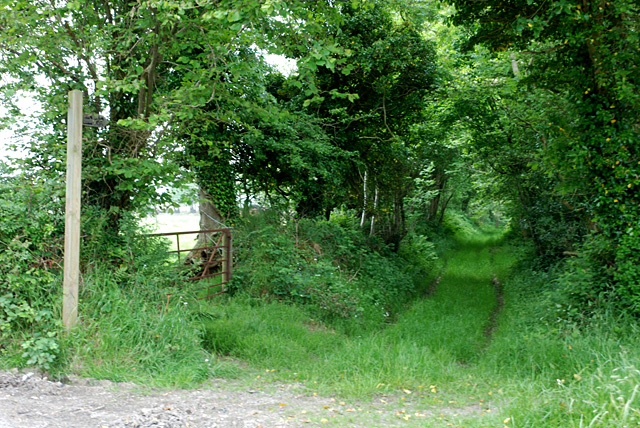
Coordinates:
column 627, row 271
column 31, row 236
column 418, row 252
column 334, row 270
column 458, row 224
column 603, row 273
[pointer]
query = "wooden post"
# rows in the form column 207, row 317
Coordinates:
column 227, row 256
column 72, row 214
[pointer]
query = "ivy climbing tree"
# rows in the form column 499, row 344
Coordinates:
column 582, row 55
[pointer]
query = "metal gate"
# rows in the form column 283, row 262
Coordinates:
column 215, row 260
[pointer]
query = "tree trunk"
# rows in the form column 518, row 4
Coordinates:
column 444, row 208
column 440, row 179
column 364, row 203
column 373, row 217
column 210, row 218
column 514, row 66
column 398, row 228
column 210, row 215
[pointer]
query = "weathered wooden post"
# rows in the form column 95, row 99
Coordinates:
column 72, row 214
column 227, row 256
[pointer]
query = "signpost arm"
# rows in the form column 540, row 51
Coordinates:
column 72, row 214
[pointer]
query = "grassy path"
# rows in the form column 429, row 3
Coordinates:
column 475, row 352
column 480, row 349
column 429, row 353
column 454, row 320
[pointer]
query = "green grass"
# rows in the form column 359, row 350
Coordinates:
column 120, row 344
column 166, row 223
column 530, row 373
column 562, row 375
column 538, row 368
column 430, row 344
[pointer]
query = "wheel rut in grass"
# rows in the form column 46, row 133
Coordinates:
column 433, row 286
column 499, row 292
column 493, row 318
column 463, row 304
column 451, row 318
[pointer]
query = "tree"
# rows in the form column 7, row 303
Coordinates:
column 151, row 67
column 582, row 55
column 369, row 107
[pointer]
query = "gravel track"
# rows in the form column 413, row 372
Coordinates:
column 30, row 400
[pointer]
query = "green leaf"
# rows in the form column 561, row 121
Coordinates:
column 235, row 16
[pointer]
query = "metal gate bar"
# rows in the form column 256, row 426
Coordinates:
column 223, row 243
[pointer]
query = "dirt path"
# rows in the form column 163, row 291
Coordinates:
column 29, row 400
column 495, row 314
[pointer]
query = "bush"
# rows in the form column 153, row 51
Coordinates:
column 31, row 237
column 604, row 273
column 418, row 252
column 330, row 268
column 627, row 271
column 458, row 224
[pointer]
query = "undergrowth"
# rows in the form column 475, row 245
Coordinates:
column 31, row 227
column 342, row 277
column 321, row 303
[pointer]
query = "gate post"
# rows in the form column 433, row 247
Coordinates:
column 227, row 256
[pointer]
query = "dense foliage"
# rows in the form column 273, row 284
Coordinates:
column 404, row 123
column 331, row 268
column 30, row 233
column 576, row 108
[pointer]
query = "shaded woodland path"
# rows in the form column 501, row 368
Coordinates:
column 460, row 312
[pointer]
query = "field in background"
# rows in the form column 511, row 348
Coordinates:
column 165, row 223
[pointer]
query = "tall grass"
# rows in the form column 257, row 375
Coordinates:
column 560, row 374
column 137, row 322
